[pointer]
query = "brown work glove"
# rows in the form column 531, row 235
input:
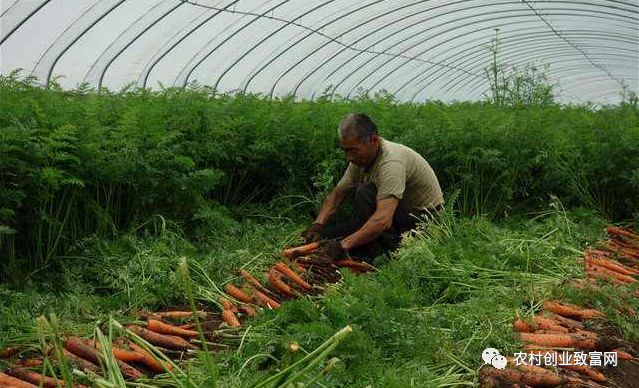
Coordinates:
column 313, row 233
column 331, row 249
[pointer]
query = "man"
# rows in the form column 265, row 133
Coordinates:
column 393, row 185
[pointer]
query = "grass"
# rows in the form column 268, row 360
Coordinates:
column 450, row 291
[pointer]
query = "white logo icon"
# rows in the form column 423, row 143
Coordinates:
column 488, row 354
column 491, row 356
column 499, row 361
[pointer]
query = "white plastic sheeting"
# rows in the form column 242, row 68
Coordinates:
column 416, row 50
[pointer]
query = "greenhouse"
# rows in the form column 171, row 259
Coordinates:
column 288, row 193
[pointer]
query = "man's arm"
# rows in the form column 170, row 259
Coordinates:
column 380, row 221
column 330, row 205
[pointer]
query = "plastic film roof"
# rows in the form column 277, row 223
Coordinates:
column 416, row 50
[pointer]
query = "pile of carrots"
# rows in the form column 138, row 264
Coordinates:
column 132, row 360
column 561, row 325
column 301, row 274
column 618, row 258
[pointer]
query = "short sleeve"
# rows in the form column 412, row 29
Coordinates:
column 391, row 180
column 348, row 180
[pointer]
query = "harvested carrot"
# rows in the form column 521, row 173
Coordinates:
column 611, row 265
column 546, row 323
column 522, row 326
column 121, row 354
column 165, row 328
column 9, row 351
column 35, row 378
column 301, row 250
column 598, row 271
column 545, row 379
column 287, row 271
column 571, row 311
column 30, row 362
column 622, row 251
column 150, row 361
column 539, row 323
column 559, row 340
column 227, row 305
column 356, row 265
column 176, row 314
column 565, row 322
column 615, row 231
column 237, row 293
column 10, row 381
column 253, row 281
column 248, row 310
column 276, row 281
column 565, row 364
column 598, row 253
column 265, row 300
column 80, row 362
column 229, row 317
column 89, row 353
column 187, row 326
column 166, row 341
column 624, row 355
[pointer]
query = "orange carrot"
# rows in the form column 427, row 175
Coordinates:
column 565, row 322
column 35, row 378
column 253, row 281
column 166, row 341
column 12, row 382
column 237, row 293
column 615, row 231
column 150, row 361
column 265, row 300
column 539, row 323
column 285, row 270
column 248, row 310
column 121, row 354
column 522, row 326
column 611, row 265
column 568, row 364
column 571, row 311
column 30, row 362
column 559, row 340
column 229, row 317
column 356, row 265
column 227, row 305
column 80, row 362
column 301, row 250
column 9, row 351
column 549, row 324
column 598, row 271
column 276, row 281
column 82, row 350
column 598, row 253
column 546, row 379
column 176, row 314
column 622, row 251
column 624, row 355
column 165, row 328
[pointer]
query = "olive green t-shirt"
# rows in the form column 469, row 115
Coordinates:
column 398, row 172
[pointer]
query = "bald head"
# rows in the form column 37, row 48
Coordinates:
column 357, row 125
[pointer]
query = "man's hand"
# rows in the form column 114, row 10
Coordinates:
column 331, row 249
column 313, row 233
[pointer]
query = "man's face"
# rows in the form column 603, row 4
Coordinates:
column 360, row 152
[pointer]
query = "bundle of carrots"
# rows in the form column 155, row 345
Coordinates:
column 285, row 280
column 623, row 245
